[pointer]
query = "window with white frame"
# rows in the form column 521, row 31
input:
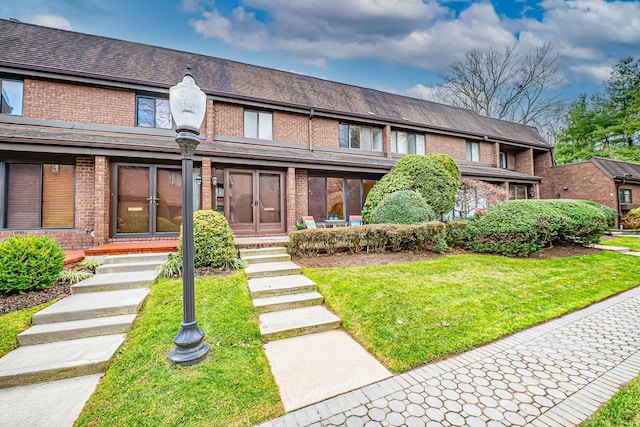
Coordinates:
column 153, row 112
column 407, row 143
column 473, row 151
column 360, row 137
column 258, row 124
column 625, row 195
column 11, row 94
column 503, row 160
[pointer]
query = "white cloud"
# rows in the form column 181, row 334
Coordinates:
column 55, row 21
column 593, row 73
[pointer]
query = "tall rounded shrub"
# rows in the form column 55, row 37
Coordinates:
column 213, row 241
column 29, row 263
column 432, row 176
column 402, row 207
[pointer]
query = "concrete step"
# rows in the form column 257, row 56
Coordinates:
column 59, row 360
column 272, row 269
column 93, row 304
column 287, row 302
column 260, row 259
column 115, row 282
column 262, row 251
column 134, row 258
column 298, row 321
column 128, row 267
column 280, row 285
column 74, row 329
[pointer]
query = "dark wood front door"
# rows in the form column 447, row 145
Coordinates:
column 254, row 201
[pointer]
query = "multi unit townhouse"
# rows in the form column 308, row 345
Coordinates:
column 87, row 150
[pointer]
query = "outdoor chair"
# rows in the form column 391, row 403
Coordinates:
column 310, row 223
column 355, row 220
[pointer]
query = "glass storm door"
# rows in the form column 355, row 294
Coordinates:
column 148, row 199
column 254, row 202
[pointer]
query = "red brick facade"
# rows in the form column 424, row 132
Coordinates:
column 326, row 132
column 453, row 146
column 579, row 181
column 291, row 128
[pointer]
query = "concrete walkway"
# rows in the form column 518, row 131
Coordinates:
column 555, row 374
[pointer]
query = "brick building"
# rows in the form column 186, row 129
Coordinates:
column 87, row 150
column 613, row 183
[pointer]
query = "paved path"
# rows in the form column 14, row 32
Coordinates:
column 555, row 374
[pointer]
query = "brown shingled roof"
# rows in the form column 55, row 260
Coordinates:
column 32, row 47
column 617, row 168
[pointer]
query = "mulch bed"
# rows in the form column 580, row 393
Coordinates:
column 339, row 260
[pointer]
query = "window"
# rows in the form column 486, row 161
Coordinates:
column 625, row 195
column 330, row 196
column 517, row 192
column 360, row 137
column 258, row 124
column 473, row 151
column 503, row 160
column 407, row 143
column 39, row 195
column 153, row 113
column 11, row 92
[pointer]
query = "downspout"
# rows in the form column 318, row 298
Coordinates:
column 311, row 130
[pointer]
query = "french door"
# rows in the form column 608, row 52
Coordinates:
column 148, row 199
column 254, row 201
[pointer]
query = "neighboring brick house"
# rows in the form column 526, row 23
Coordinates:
column 87, row 150
column 613, row 183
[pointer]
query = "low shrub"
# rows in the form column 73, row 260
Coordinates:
column 402, row 207
column 521, row 227
column 369, row 237
column 172, row 267
column 631, row 220
column 213, row 241
column 609, row 214
column 455, row 232
column 29, row 263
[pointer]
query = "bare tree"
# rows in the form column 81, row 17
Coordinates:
column 474, row 195
column 509, row 84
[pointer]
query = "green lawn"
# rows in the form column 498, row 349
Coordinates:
column 12, row 323
column 632, row 243
column 410, row 314
column 623, row 410
column 233, row 387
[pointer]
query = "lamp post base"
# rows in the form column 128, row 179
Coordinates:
column 190, row 348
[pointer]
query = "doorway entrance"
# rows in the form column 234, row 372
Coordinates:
column 254, row 201
column 148, row 199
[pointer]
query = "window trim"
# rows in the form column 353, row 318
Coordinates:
column 625, row 191
column 154, row 98
column 373, row 131
column 3, row 79
column 503, row 164
column 417, row 135
column 257, row 113
column 470, row 151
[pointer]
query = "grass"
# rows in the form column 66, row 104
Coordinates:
column 233, row 387
column 15, row 322
column 410, row 314
column 632, row 243
column 623, row 410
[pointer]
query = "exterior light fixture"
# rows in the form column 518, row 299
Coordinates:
column 214, row 180
column 199, row 180
column 188, row 104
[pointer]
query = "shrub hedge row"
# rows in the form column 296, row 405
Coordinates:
column 402, row 207
column 429, row 236
column 521, row 227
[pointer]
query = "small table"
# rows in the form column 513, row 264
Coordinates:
column 335, row 223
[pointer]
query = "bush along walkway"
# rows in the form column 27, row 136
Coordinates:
column 310, row 358
column 61, row 358
column 554, row 374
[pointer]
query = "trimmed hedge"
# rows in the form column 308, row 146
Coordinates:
column 370, row 237
column 433, row 176
column 521, row 227
column 402, row 207
column 610, row 214
column 631, row 220
column 213, row 241
column 455, row 232
column 29, row 263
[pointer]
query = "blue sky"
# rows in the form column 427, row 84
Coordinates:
column 400, row 46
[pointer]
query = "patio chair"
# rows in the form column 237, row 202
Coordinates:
column 310, row 223
column 355, row 220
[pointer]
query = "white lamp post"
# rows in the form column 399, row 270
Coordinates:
column 188, row 104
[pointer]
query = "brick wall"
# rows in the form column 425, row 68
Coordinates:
column 524, row 161
column 582, row 181
column 206, row 187
column 386, row 141
column 292, row 128
column 290, row 201
column 453, row 146
column 302, row 198
column 102, row 199
column 228, row 120
column 487, row 152
column 326, row 132
column 77, row 103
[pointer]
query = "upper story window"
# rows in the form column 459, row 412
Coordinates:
column 625, row 195
column 153, row 113
column 11, row 93
column 407, row 143
column 258, row 124
column 503, row 160
column 360, row 137
column 473, row 151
